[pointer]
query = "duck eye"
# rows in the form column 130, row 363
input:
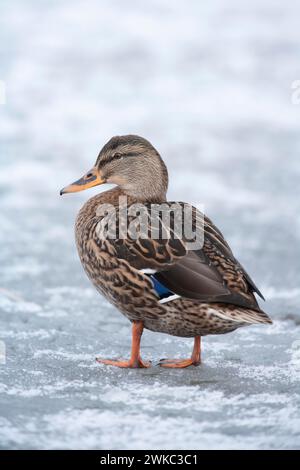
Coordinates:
column 117, row 155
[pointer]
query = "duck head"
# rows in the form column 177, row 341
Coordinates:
column 133, row 164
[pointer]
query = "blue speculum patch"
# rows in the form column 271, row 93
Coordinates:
column 162, row 291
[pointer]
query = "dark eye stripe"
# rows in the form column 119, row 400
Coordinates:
column 119, row 156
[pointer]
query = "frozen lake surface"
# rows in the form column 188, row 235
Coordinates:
column 210, row 86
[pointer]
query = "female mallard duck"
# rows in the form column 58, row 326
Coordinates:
column 160, row 283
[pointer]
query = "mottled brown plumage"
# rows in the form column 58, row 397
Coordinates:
column 160, row 284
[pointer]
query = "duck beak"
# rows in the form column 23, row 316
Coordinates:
column 90, row 179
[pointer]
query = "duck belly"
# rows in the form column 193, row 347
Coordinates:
column 184, row 318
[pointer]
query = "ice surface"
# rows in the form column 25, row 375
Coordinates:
column 210, row 85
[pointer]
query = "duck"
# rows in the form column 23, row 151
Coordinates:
column 188, row 285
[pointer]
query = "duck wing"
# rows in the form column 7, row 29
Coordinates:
column 210, row 274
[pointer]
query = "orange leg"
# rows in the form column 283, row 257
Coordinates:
column 195, row 359
column 135, row 361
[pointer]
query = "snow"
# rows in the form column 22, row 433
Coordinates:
column 211, row 86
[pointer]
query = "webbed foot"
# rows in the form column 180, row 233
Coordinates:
column 177, row 363
column 131, row 364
